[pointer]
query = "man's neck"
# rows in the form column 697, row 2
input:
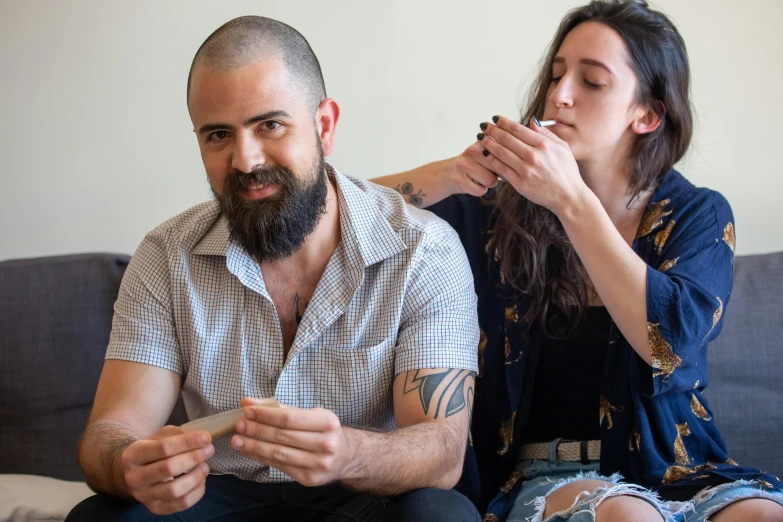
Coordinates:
column 318, row 247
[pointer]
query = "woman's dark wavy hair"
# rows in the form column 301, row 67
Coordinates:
column 534, row 251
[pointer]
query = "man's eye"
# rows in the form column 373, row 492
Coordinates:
column 271, row 125
column 218, row 135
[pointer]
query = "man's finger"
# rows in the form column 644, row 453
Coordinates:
column 177, row 488
column 148, row 451
column 298, row 419
column 276, row 456
column 180, row 504
column 270, row 402
column 141, row 476
column 306, row 440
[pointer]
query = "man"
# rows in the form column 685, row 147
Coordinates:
column 355, row 312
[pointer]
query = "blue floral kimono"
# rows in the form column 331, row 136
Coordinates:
column 656, row 427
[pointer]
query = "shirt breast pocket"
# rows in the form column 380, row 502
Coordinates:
column 353, row 381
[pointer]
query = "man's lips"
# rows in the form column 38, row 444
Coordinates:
column 258, row 190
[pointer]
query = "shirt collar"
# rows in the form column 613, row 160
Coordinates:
column 363, row 226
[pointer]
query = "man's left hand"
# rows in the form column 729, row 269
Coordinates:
column 309, row 445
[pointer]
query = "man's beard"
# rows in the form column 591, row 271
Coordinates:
column 274, row 227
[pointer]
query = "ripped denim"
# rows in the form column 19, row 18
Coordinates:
column 543, row 477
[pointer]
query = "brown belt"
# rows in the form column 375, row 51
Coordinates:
column 584, row 451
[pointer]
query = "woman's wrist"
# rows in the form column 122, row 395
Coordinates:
column 445, row 173
column 578, row 207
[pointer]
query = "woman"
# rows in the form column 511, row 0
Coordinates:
column 602, row 276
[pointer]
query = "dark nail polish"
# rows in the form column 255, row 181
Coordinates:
column 480, row 136
column 495, row 118
column 538, row 123
column 485, row 153
column 483, row 126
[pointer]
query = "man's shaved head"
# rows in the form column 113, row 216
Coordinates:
column 250, row 39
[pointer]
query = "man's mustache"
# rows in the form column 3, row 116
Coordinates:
column 275, row 175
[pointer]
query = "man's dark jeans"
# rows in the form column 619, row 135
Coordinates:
column 229, row 499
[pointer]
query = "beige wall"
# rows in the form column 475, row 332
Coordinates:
column 97, row 148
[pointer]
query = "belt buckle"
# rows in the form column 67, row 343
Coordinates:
column 558, row 442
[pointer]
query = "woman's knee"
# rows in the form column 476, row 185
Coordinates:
column 626, row 508
column 614, row 508
column 566, row 496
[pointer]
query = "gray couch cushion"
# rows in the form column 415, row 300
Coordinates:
column 55, row 319
column 746, row 365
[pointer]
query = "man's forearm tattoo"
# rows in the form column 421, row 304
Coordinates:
column 407, row 190
column 444, row 392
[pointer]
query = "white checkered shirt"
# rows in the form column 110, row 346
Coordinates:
column 396, row 295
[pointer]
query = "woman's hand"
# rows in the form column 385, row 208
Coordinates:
column 535, row 161
column 468, row 173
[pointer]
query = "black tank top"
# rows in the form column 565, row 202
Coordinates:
column 567, row 388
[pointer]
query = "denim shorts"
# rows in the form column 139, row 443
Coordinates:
column 542, row 477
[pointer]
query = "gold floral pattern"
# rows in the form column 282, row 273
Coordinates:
column 653, row 218
column 680, row 455
column 663, row 357
column 606, row 413
column 482, row 348
column 716, row 316
column 765, row 484
column 635, row 441
column 676, row 473
column 507, row 434
column 663, row 236
column 698, row 409
column 512, row 315
column 728, row 236
column 513, row 479
column 718, row 313
column 731, row 462
column 668, row 264
column 489, row 517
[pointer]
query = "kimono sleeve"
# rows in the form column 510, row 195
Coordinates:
column 687, row 295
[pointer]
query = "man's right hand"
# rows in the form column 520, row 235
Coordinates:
column 167, row 471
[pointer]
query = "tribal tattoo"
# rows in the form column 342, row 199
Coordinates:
column 444, row 392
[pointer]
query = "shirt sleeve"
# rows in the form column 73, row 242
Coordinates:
column 143, row 328
column 687, row 295
column 439, row 323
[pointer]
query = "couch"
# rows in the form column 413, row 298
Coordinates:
column 55, row 319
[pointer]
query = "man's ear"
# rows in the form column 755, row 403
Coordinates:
column 326, row 121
